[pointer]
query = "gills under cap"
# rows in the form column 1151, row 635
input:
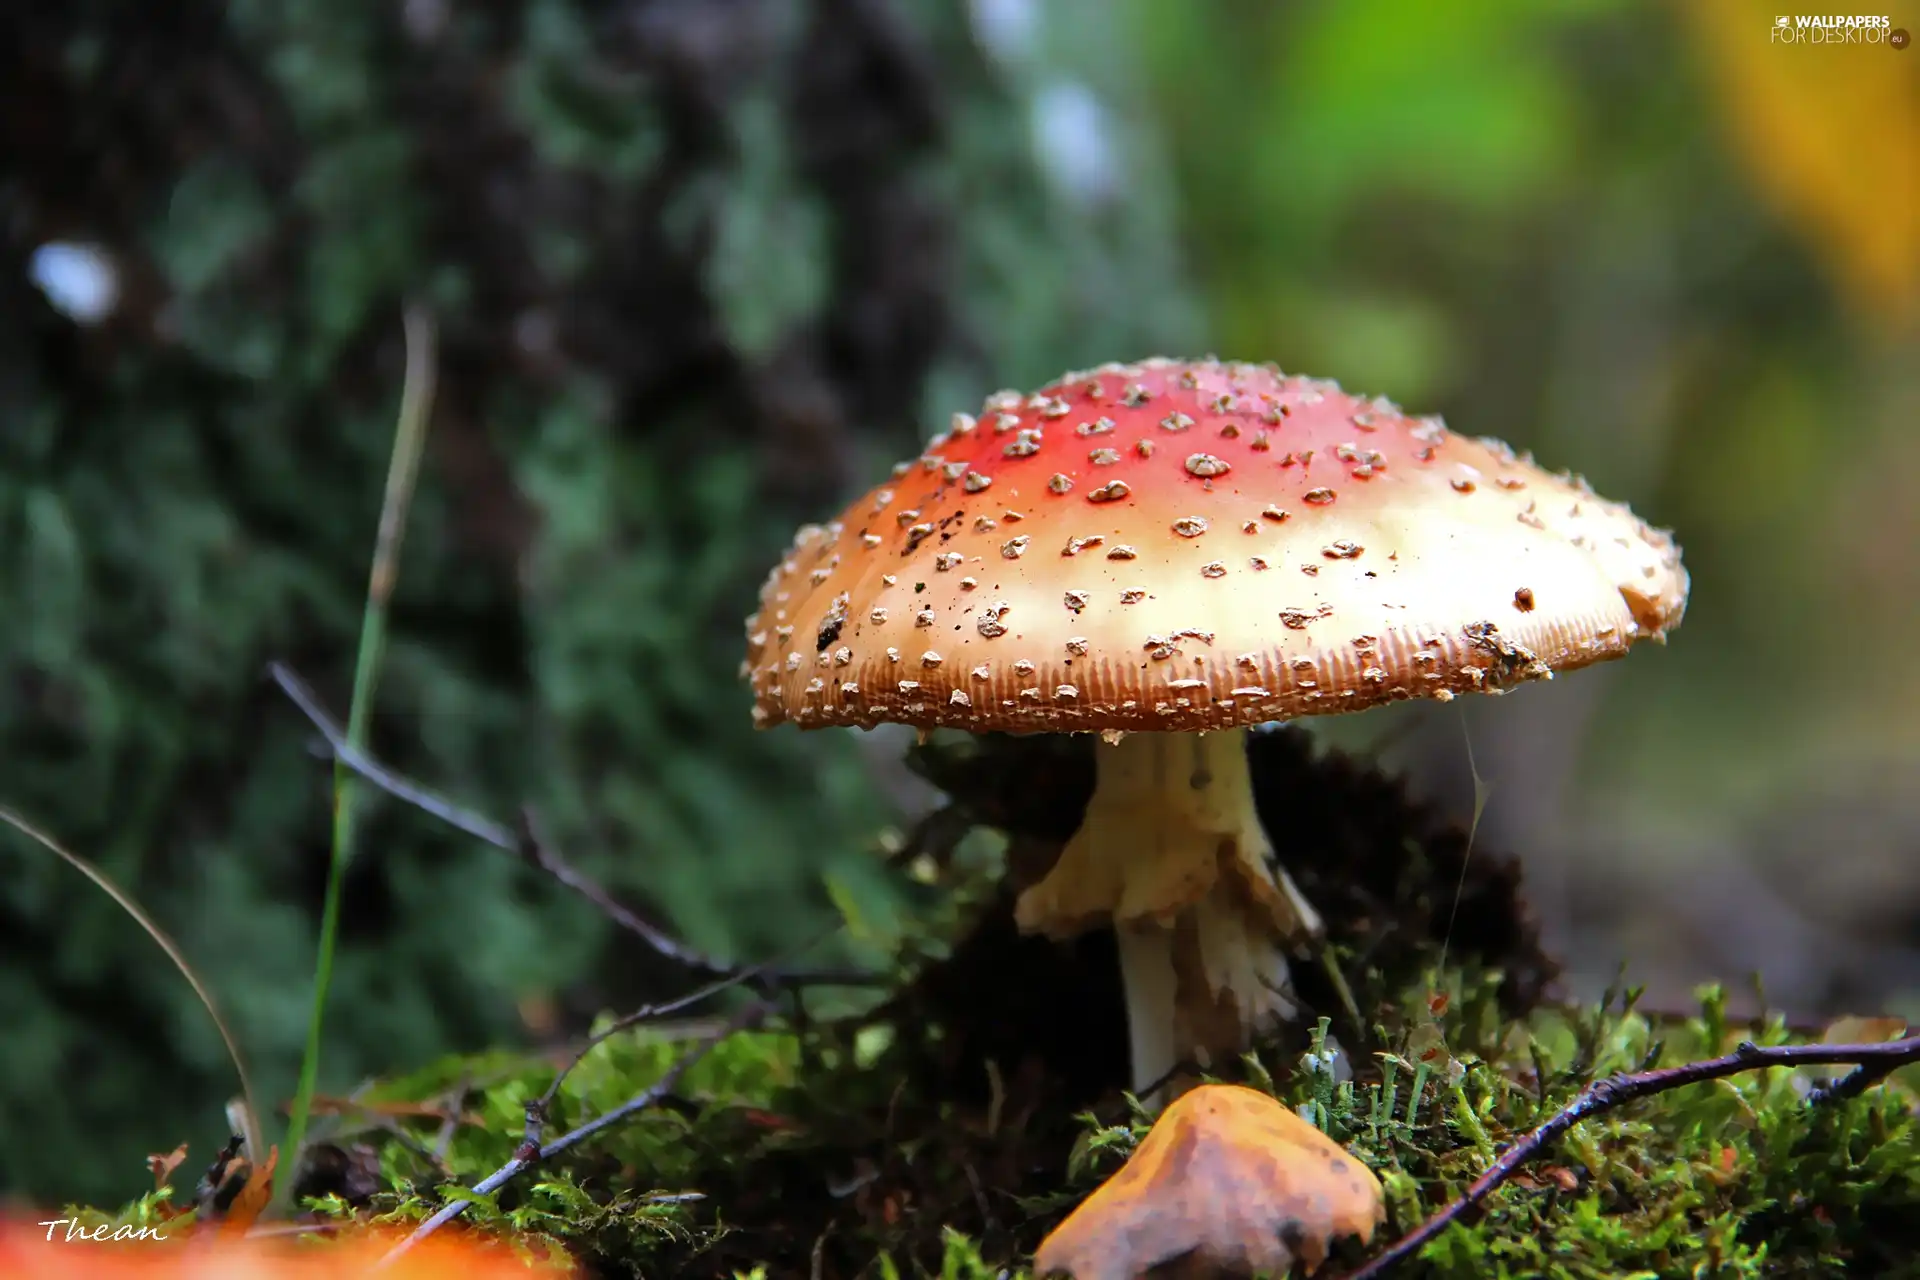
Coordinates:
column 1185, row 545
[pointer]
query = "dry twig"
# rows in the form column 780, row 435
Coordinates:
column 1872, row 1063
column 645, row 1013
column 526, row 842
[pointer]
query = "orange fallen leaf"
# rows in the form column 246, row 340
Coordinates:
column 252, row 1200
column 1227, row 1178
column 163, row 1166
column 761, row 1119
column 57, row 1250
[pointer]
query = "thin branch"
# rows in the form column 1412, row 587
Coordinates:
column 644, row 1013
column 537, row 849
column 400, row 788
column 531, row 1152
column 399, row 1133
column 443, row 1141
column 527, row 843
column 1856, row 1082
column 1874, row 1062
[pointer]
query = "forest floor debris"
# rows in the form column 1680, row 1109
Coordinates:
column 947, row 1127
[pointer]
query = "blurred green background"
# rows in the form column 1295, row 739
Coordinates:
column 701, row 268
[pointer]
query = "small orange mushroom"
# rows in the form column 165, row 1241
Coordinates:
column 1228, row 1182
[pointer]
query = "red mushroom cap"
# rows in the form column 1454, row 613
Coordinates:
column 1180, row 545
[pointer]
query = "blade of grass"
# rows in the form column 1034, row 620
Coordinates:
column 166, row 944
column 1481, row 790
column 403, row 469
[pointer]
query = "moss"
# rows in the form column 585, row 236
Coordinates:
column 924, row 1136
column 780, row 1149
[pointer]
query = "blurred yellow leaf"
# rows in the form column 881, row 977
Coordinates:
column 1830, row 133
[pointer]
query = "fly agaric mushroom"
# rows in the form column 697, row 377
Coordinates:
column 1167, row 553
column 1228, row 1182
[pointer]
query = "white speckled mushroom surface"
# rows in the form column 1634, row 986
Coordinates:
column 1181, row 545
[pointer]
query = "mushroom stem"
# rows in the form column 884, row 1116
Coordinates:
column 1172, row 854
